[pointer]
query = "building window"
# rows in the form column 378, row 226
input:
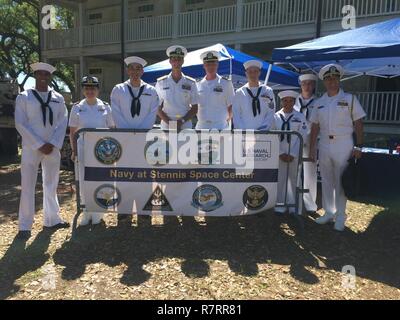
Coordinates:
column 146, row 8
column 95, row 16
column 192, row 2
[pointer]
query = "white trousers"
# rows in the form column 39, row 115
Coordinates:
column 333, row 157
column 50, row 174
column 88, row 216
column 287, row 180
column 310, row 182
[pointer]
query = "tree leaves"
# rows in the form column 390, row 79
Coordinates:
column 19, row 41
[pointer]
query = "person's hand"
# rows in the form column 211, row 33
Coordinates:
column 179, row 124
column 284, row 157
column 46, row 149
column 73, row 156
column 290, row 158
column 357, row 154
column 313, row 155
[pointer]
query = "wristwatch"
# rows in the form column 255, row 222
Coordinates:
column 358, row 148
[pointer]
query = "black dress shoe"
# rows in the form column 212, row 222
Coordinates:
column 24, row 235
column 61, row 225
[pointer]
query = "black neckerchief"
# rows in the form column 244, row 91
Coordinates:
column 286, row 127
column 44, row 105
column 305, row 107
column 135, row 105
column 256, row 101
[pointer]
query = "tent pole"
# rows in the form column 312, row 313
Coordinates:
column 268, row 73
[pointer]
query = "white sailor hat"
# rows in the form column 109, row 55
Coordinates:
column 288, row 93
column 331, row 70
column 176, row 51
column 252, row 63
column 134, row 59
column 42, row 66
column 210, row 56
column 308, row 77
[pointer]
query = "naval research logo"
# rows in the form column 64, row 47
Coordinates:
column 108, row 150
column 157, row 202
column 207, row 198
column 107, row 196
column 255, row 197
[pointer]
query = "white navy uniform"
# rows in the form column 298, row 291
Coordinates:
column 29, row 122
column 215, row 96
column 335, row 116
column 306, row 106
column 294, row 121
column 126, row 115
column 247, row 115
column 97, row 116
column 177, row 97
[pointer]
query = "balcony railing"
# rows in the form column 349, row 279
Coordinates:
column 255, row 15
column 364, row 8
column 150, row 28
column 102, row 34
column 381, row 106
column 264, row 14
column 207, row 21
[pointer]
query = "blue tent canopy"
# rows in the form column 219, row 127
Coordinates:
column 370, row 50
column 231, row 63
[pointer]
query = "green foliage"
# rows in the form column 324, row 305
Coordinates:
column 19, row 40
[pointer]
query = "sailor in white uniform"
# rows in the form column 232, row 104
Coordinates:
column 91, row 112
column 337, row 115
column 253, row 104
column 134, row 103
column 288, row 119
column 41, row 119
column 178, row 93
column 305, row 105
column 215, row 95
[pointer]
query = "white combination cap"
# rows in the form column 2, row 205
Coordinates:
column 331, row 70
column 176, row 51
column 209, row 56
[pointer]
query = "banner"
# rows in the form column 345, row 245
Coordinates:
column 185, row 174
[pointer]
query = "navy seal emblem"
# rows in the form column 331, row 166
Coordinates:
column 108, row 150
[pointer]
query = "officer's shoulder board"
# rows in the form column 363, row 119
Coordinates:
column 190, row 79
column 226, row 78
column 162, row 78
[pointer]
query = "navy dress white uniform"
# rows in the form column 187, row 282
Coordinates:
column 177, row 97
column 40, row 118
column 287, row 176
column 82, row 116
column 215, row 98
column 253, row 108
column 134, row 107
column 306, row 106
column 335, row 116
